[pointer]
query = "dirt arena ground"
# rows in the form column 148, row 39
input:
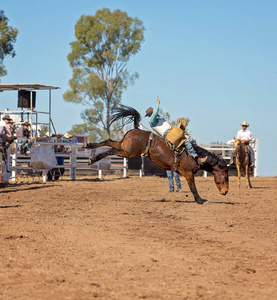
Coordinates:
column 132, row 239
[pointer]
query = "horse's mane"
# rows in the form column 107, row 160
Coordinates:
column 127, row 112
column 212, row 158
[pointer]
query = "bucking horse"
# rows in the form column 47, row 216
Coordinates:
column 140, row 142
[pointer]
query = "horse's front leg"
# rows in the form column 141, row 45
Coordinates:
column 192, row 186
column 238, row 170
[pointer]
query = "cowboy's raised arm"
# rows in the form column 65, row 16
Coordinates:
column 153, row 119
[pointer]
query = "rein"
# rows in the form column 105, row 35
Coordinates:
column 238, row 151
column 241, row 152
column 145, row 127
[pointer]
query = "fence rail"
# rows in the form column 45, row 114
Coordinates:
column 76, row 158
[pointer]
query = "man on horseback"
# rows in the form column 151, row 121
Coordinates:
column 162, row 127
column 245, row 136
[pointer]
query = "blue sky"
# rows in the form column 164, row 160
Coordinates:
column 214, row 62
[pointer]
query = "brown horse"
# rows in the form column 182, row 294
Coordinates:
column 137, row 142
column 242, row 160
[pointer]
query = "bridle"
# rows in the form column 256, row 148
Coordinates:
column 236, row 149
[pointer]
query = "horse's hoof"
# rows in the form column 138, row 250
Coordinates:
column 85, row 145
column 201, row 201
column 238, row 186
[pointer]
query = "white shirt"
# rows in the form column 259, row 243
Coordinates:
column 244, row 135
column 162, row 127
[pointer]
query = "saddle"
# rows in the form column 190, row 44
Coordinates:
column 245, row 147
column 175, row 139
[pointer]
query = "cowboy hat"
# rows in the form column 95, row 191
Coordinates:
column 6, row 117
column 68, row 136
column 149, row 112
column 26, row 124
column 244, row 123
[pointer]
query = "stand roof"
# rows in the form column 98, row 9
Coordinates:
column 27, row 86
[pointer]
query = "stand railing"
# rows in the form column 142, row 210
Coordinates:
column 76, row 158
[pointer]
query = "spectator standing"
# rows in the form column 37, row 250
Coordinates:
column 10, row 133
column 5, row 121
column 170, row 175
column 6, row 131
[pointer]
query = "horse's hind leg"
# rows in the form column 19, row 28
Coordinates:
column 109, row 142
column 102, row 155
column 90, row 145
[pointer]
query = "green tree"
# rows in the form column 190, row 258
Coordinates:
column 44, row 129
column 8, row 36
column 99, row 56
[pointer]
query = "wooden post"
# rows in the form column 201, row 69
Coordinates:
column 73, row 161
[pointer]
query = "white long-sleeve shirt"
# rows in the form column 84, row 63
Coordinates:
column 244, row 135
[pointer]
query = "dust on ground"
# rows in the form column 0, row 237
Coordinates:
column 131, row 239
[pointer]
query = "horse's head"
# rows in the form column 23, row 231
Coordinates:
column 221, row 179
column 236, row 145
column 217, row 166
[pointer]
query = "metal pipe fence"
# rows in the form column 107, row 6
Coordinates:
column 77, row 158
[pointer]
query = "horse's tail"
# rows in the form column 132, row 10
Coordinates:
column 127, row 112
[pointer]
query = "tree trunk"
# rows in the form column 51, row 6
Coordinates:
column 108, row 117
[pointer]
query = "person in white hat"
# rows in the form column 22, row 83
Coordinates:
column 69, row 138
column 245, row 136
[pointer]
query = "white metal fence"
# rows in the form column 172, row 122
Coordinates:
column 77, row 158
